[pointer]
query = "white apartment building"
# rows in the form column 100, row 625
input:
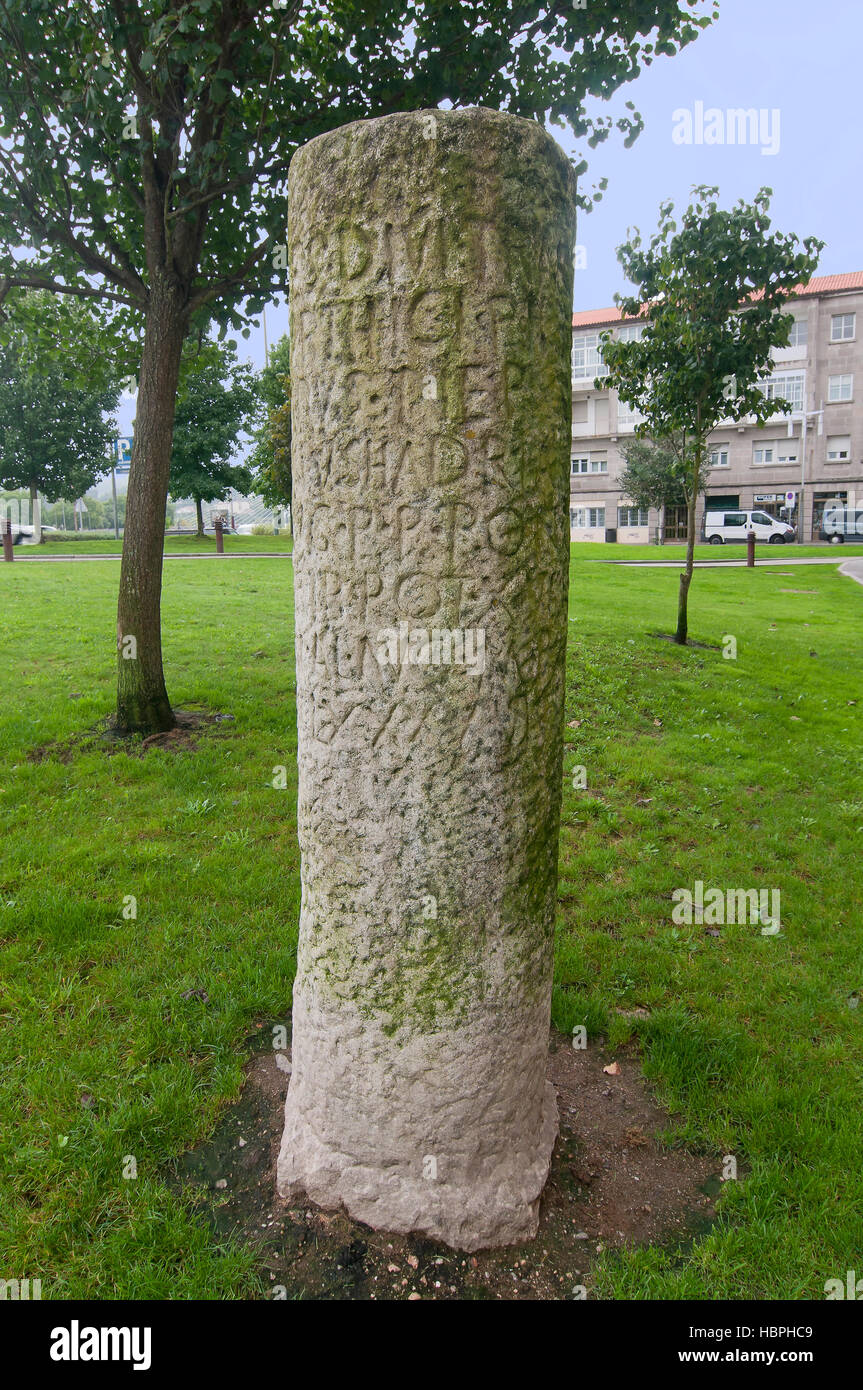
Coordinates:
column 815, row 453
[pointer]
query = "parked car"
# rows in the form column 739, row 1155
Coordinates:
column 841, row 523
column 723, row 526
column 23, row 535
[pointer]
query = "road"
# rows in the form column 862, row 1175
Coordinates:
column 727, row 564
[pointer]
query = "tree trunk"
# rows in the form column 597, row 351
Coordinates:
column 686, row 577
column 199, row 513
column 36, row 514
column 142, row 699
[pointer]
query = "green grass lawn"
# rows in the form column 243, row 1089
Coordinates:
column 68, row 544
column 741, row 773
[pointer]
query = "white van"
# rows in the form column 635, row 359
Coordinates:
column 23, row 535
column 729, row 525
column 841, row 522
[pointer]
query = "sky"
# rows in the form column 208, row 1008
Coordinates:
column 792, row 57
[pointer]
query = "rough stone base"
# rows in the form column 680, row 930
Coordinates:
column 486, row 1131
column 500, row 1209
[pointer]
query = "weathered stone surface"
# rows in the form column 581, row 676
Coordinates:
column 431, row 291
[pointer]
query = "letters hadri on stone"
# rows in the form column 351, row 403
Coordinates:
column 431, row 259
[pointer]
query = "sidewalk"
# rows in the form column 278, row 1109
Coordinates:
column 853, row 568
column 726, row 564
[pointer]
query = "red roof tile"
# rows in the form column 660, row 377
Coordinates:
column 829, row 284
column 586, row 317
column 821, row 284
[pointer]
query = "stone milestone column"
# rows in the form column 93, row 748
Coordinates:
column 431, row 263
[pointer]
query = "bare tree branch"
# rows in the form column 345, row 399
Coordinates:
column 233, row 281
column 42, row 282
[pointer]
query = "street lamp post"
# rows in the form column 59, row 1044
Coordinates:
column 114, row 495
column 804, row 417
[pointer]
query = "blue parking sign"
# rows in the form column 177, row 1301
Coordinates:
column 123, row 451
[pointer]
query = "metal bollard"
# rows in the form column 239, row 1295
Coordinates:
column 750, row 550
column 8, row 545
column 220, row 540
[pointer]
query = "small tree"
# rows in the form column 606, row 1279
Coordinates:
column 711, row 297
column 55, row 394
column 657, row 473
column 271, row 456
column 216, row 401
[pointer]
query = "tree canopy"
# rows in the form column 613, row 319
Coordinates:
column 215, row 403
column 711, row 294
column 144, row 152
column 655, row 474
column 141, row 136
column 271, row 456
column 55, row 394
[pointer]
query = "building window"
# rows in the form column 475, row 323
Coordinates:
column 579, row 411
column 631, row 516
column 582, row 517
column 839, row 448
column 586, row 359
column 840, row 388
column 627, row 417
column 719, row 456
column 630, row 332
column 786, row 386
column 842, row 328
column 799, row 333
column 579, row 465
column 778, row 451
